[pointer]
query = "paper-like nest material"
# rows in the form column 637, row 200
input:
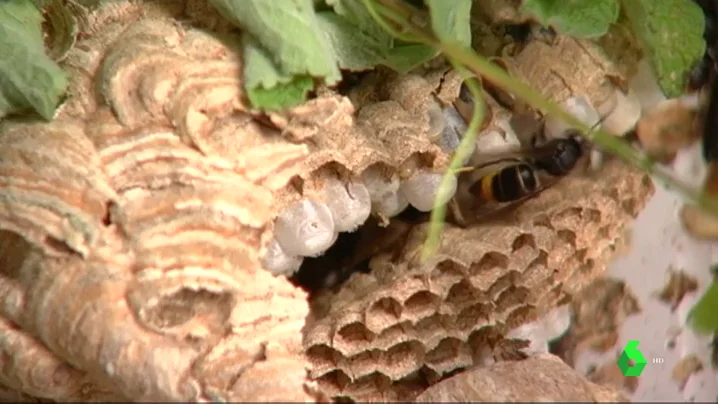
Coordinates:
column 540, row 379
column 405, row 319
column 130, row 266
column 132, row 225
column 576, row 67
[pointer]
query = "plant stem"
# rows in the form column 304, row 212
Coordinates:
column 463, row 151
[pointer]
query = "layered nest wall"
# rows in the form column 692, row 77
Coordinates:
column 132, row 226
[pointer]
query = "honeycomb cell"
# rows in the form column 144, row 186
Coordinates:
column 431, row 330
column 605, row 232
column 450, row 137
column 420, row 305
column 423, row 190
column 501, row 284
column 349, row 203
column 520, row 316
column 522, row 241
column 485, row 338
column 403, row 359
column 158, row 130
column 542, row 220
column 323, row 359
column 333, row 383
column 353, row 338
column 305, row 228
column 497, row 141
column 567, row 218
column 437, row 120
column 460, row 295
column 490, row 261
column 363, row 364
column 449, row 354
column 512, row 297
column 445, row 275
column 472, row 317
column 278, row 262
column 380, row 181
column 389, row 337
column 624, row 115
column 383, row 313
column 373, row 387
column 580, row 108
column 429, row 375
column 567, row 236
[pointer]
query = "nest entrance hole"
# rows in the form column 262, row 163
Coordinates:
column 352, row 252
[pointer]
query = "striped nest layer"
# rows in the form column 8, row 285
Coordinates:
column 134, row 225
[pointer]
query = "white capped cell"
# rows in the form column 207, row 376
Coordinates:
column 497, row 141
column 391, row 204
column 580, row 108
column 278, row 262
column 453, row 130
column 305, row 228
column 437, row 120
column 378, row 183
column 422, row 188
column 624, row 114
column 350, row 203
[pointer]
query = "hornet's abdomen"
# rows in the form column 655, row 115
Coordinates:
column 507, row 184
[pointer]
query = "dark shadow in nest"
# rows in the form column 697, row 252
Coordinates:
column 350, row 80
column 352, row 252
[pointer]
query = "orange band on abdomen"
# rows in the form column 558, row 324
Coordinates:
column 487, row 189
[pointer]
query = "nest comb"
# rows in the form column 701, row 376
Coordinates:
column 407, row 318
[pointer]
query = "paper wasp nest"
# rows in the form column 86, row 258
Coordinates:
column 406, row 319
column 133, row 226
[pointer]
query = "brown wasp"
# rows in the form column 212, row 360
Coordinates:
column 503, row 181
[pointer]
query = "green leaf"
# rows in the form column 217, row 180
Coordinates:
column 28, row 78
column 290, row 33
column 671, row 32
column 368, row 44
column 267, row 87
column 406, row 57
column 578, row 18
column 354, row 49
column 703, row 317
column 282, row 96
column 355, row 12
column 451, row 20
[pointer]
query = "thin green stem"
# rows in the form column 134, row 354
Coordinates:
column 463, row 151
column 379, row 11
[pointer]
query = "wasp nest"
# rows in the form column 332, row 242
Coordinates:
column 388, row 334
column 406, row 319
column 135, row 230
column 132, row 227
